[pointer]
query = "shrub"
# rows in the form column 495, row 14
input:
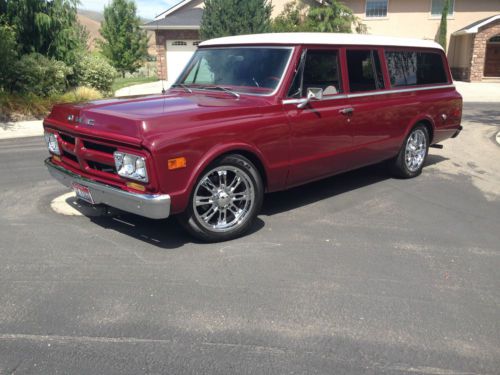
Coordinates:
column 39, row 75
column 94, row 71
column 81, row 94
column 19, row 107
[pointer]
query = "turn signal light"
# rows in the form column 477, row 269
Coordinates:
column 177, row 163
column 136, row 186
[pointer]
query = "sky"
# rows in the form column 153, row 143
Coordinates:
column 145, row 8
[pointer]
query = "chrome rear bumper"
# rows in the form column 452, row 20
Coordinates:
column 155, row 206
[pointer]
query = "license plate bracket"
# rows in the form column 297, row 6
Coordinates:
column 83, row 193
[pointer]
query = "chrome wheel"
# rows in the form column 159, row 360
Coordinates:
column 416, row 150
column 223, row 199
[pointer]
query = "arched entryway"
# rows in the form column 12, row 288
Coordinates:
column 492, row 59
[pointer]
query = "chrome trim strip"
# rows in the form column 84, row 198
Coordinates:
column 396, row 91
column 384, row 92
column 155, row 206
column 325, row 98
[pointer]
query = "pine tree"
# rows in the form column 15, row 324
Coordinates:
column 235, row 17
column 443, row 26
column 125, row 44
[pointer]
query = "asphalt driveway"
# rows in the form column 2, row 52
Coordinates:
column 357, row 274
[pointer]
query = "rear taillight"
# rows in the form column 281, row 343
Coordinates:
column 457, row 112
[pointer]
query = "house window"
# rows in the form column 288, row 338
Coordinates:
column 196, row 43
column 179, row 43
column 376, row 8
column 438, row 5
column 495, row 39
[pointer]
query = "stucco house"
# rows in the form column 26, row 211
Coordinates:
column 473, row 31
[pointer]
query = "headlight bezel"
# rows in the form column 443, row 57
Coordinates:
column 52, row 142
column 131, row 166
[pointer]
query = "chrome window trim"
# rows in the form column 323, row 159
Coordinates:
column 375, row 93
column 278, row 86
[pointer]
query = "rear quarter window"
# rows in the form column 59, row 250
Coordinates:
column 412, row 68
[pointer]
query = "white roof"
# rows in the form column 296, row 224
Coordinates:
column 321, row 38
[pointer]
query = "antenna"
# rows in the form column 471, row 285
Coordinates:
column 161, row 61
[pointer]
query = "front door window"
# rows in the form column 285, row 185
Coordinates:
column 317, row 69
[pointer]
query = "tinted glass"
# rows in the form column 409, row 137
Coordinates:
column 320, row 69
column 376, row 8
column 365, row 73
column 415, row 68
column 249, row 70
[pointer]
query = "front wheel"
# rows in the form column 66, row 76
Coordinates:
column 225, row 200
column 411, row 157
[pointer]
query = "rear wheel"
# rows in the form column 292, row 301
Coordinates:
column 411, row 157
column 225, row 200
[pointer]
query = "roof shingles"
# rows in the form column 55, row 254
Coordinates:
column 190, row 18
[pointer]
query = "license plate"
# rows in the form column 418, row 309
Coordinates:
column 83, row 193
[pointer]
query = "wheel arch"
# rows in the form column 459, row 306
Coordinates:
column 424, row 120
column 215, row 153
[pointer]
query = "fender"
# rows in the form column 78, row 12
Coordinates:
column 182, row 197
column 419, row 118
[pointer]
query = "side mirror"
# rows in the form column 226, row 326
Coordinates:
column 313, row 93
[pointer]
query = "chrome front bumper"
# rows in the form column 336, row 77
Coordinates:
column 148, row 205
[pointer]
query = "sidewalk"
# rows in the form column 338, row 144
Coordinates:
column 150, row 88
column 479, row 91
column 471, row 92
column 21, row 129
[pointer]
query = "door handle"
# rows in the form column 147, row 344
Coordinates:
column 347, row 111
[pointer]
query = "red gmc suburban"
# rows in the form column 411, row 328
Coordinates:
column 252, row 114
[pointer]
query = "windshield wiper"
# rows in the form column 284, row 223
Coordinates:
column 182, row 86
column 225, row 89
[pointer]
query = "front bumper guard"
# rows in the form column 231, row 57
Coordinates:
column 153, row 206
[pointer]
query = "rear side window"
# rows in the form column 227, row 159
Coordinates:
column 365, row 73
column 410, row 68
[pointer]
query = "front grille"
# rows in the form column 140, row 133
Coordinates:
column 67, row 138
column 90, row 156
column 70, row 156
column 99, row 147
column 102, row 167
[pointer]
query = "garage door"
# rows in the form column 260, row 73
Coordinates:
column 178, row 54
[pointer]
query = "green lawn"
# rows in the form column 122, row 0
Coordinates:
column 124, row 82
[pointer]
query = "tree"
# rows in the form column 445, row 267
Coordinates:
column 332, row 16
column 46, row 27
column 125, row 44
column 8, row 57
column 443, row 27
column 235, row 17
column 290, row 19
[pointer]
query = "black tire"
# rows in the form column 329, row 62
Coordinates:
column 401, row 167
column 223, row 199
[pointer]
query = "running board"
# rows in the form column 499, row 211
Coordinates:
column 437, row 146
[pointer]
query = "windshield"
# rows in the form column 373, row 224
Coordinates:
column 244, row 69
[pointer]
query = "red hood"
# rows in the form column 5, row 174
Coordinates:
column 134, row 120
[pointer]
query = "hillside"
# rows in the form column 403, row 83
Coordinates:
column 92, row 27
column 92, row 21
